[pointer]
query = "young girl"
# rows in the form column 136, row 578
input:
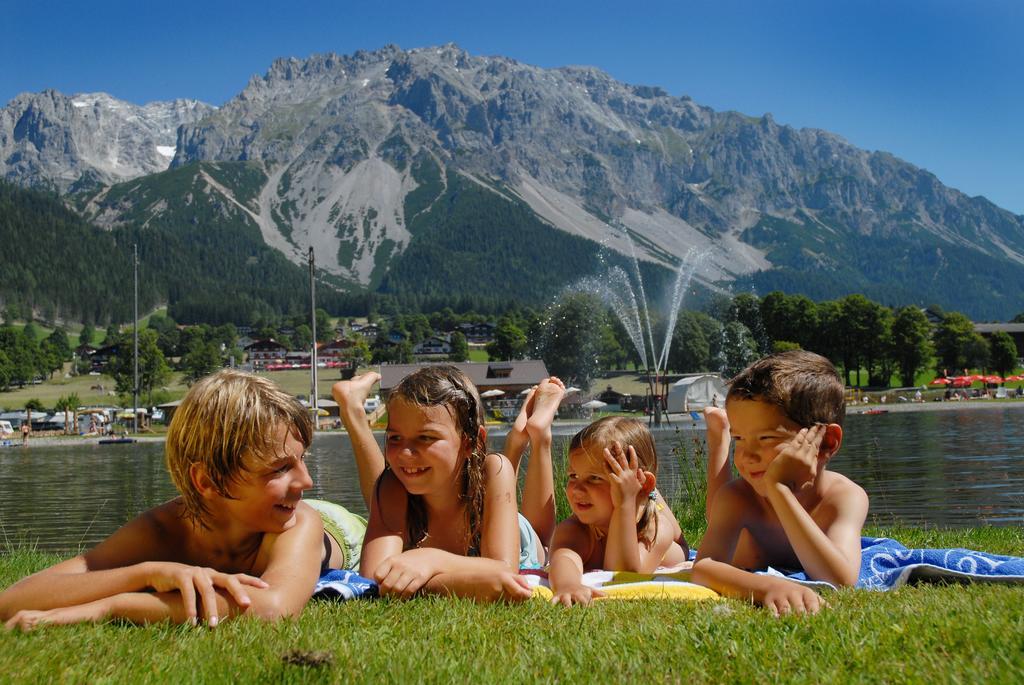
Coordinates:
column 443, row 515
column 238, row 539
column 619, row 521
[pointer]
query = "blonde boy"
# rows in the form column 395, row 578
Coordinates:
column 238, row 539
column 785, row 414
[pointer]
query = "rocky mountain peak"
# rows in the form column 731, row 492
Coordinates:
column 66, row 141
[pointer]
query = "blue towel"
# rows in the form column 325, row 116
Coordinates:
column 886, row 565
column 344, row 585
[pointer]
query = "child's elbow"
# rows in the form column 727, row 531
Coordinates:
column 273, row 609
column 846, row 578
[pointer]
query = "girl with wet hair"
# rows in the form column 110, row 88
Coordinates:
column 443, row 516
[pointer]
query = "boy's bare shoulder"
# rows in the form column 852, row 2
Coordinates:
column 840, row 492
column 166, row 520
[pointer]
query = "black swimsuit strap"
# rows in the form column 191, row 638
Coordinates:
column 325, row 564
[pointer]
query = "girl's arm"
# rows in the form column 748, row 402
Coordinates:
column 499, row 535
column 623, row 551
column 434, row 570
column 570, row 544
column 384, row 537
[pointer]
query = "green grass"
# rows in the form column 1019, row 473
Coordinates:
column 919, row 634
column 914, row 634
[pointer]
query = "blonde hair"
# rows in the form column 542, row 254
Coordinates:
column 226, row 418
column 629, row 433
column 447, row 386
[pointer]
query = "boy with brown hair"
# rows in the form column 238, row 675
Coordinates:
column 785, row 413
column 238, row 539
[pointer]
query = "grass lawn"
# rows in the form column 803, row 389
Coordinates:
column 920, row 634
column 915, row 634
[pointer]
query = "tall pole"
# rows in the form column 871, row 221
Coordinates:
column 135, row 377
column 313, row 403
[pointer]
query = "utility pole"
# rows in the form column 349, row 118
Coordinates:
column 313, row 402
column 135, row 376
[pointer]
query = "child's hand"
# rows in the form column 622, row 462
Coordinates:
column 797, row 462
column 194, row 582
column 402, row 575
column 787, row 597
column 580, row 594
column 624, row 474
column 352, row 393
column 27, row 619
column 512, row 587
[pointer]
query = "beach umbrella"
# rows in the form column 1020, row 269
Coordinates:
column 493, row 392
column 1014, row 379
column 962, row 382
column 940, row 381
column 594, row 404
column 994, row 379
column 571, row 389
column 525, row 391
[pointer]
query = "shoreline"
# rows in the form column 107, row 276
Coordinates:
column 851, row 409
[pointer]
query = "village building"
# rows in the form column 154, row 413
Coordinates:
column 434, row 347
column 1015, row 330
column 264, row 352
column 478, row 333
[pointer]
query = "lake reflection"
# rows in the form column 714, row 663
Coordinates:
column 951, row 468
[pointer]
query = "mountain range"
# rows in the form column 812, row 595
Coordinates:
column 432, row 173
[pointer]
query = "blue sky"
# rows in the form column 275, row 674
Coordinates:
column 936, row 82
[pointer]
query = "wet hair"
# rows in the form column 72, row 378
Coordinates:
column 227, row 424
column 447, row 386
column 632, row 433
column 804, row 385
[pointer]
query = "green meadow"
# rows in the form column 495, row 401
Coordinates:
column 934, row 634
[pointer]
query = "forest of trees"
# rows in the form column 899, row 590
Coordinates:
column 577, row 337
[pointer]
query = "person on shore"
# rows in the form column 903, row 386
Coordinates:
column 443, row 517
column 785, row 414
column 238, row 540
column 619, row 520
column 25, row 430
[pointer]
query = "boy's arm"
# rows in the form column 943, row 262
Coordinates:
column 350, row 396
column 568, row 546
column 832, row 555
column 714, row 569
column 132, row 559
column 69, row 592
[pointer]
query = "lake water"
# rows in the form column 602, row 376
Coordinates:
column 949, row 468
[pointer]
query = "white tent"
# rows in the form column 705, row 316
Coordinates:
column 693, row 393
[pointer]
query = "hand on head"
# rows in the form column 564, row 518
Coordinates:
column 797, row 462
column 624, row 473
